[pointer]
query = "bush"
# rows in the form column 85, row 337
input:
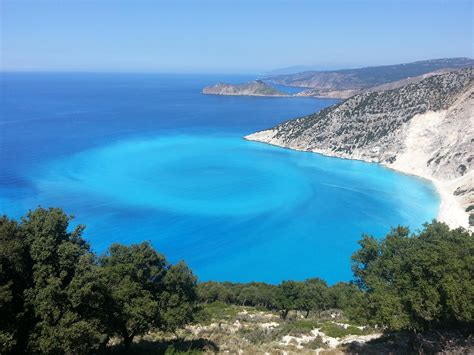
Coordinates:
column 258, row 335
column 336, row 331
column 296, row 328
column 218, row 310
column 317, row 343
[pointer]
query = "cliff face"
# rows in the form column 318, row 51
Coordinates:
column 424, row 128
column 254, row 88
column 347, row 82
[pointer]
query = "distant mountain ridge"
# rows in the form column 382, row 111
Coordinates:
column 344, row 83
column 253, row 88
column 344, row 94
column 297, row 69
column 424, row 128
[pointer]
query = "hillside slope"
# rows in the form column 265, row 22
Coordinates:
column 347, row 82
column 344, row 94
column 424, row 128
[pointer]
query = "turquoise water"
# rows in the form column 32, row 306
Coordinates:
column 149, row 158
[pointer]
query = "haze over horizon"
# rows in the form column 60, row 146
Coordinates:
column 229, row 36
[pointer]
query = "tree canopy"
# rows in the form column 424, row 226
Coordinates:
column 405, row 281
column 57, row 296
column 417, row 281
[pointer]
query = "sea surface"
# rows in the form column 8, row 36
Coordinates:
column 147, row 157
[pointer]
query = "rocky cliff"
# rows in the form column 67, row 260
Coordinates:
column 254, row 88
column 424, row 128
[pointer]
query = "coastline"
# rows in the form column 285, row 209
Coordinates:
column 299, row 95
column 449, row 211
column 237, row 94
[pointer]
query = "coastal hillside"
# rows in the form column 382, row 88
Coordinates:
column 424, row 128
column 344, row 94
column 253, row 88
column 59, row 297
column 347, row 82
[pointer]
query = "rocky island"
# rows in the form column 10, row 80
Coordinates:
column 425, row 128
column 344, row 83
column 253, row 88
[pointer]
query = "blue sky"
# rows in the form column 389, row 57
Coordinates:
column 229, row 36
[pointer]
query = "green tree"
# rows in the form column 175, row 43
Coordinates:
column 56, row 297
column 313, row 296
column 419, row 281
column 63, row 284
column 178, row 301
column 266, row 295
column 248, row 295
column 211, row 291
column 15, row 278
column 147, row 292
column 134, row 277
column 350, row 299
column 287, row 297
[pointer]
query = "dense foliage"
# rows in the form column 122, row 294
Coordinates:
column 56, row 296
column 405, row 281
column 416, row 282
column 311, row 295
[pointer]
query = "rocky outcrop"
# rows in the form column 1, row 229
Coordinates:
column 423, row 128
column 254, row 88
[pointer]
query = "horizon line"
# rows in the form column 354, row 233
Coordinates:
column 230, row 71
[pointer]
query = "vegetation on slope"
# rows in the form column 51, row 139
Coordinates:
column 370, row 120
column 362, row 78
column 405, row 281
column 56, row 296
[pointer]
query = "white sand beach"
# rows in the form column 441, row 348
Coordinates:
column 423, row 135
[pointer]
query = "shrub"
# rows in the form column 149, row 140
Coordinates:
column 337, row 331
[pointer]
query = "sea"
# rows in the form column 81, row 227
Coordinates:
column 147, row 157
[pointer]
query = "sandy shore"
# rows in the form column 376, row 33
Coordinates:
column 424, row 136
column 410, row 162
column 450, row 210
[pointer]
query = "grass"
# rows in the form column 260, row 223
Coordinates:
column 257, row 335
column 297, row 328
column 316, row 343
column 337, row 331
column 216, row 311
column 251, row 338
column 167, row 347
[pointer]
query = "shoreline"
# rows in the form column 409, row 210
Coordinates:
column 257, row 95
column 296, row 96
column 449, row 210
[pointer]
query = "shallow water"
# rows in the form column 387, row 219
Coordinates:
column 146, row 157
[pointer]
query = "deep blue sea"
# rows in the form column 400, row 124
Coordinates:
column 147, row 157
